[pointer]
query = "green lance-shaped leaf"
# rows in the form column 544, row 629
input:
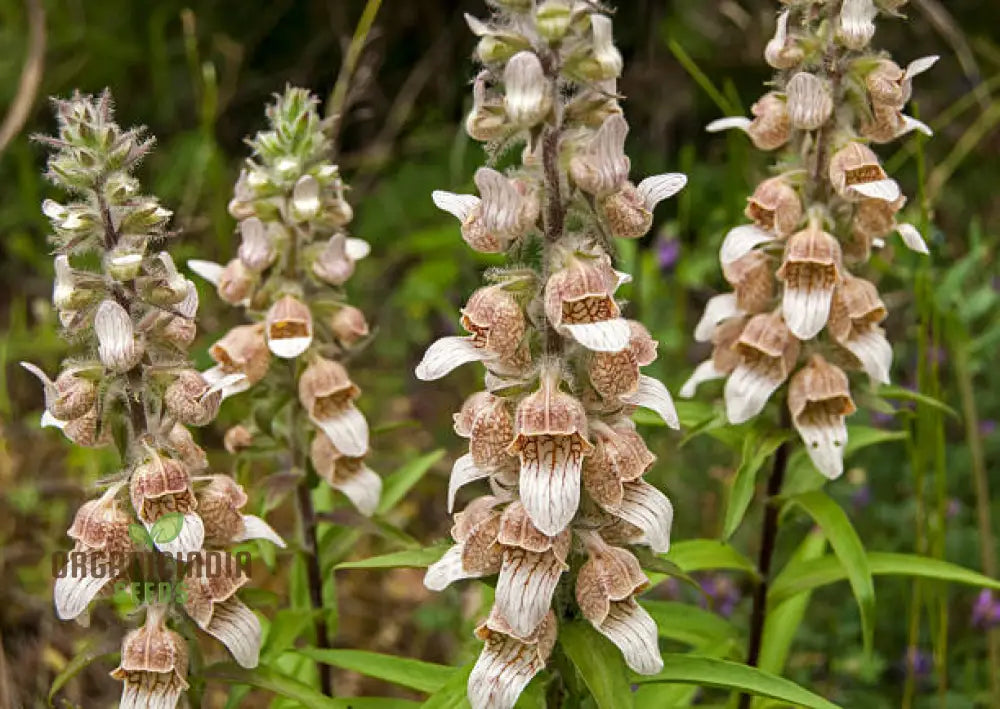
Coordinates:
column 722, row 674
column 807, row 575
column 396, row 485
column 166, row 528
column 783, row 621
column 703, row 554
column 409, row 558
column 848, row 548
column 757, row 448
column 404, row 671
column 688, row 623
column 600, row 664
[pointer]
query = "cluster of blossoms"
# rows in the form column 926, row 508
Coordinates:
column 129, row 316
column 552, row 432
column 795, row 300
column 293, row 261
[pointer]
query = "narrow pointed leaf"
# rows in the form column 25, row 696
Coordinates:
column 704, row 554
column 757, row 449
column 722, row 674
column 406, row 672
column 396, row 485
column 410, row 558
column 848, row 548
column 600, row 664
column 689, row 624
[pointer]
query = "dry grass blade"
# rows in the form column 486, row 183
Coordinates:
column 31, row 75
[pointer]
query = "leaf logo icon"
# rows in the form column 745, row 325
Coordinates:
column 167, row 528
column 139, row 536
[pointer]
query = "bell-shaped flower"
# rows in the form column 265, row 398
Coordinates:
column 192, row 400
column 257, row 251
column 487, row 422
column 327, row 394
column 348, row 474
column 289, row 327
column 616, row 374
column 508, row 662
column 724, row 359
column 857, row 23
column 620, row 456
column 855, row 315
column 497, row 325
column 333, row 264
column 810, row 102
column 160, row 485
column 775, row 207
column 86, row 430
column 856, row 174
column 100, row 530
column 487, row 120
column 236, row 283
column 767, row 352
column 579, row 301
column 889, row 85
column 532, row 565
column 212, row 603
column 220, row 505
column 528, row 93
column 629, row 211
column 70, row 396
column 752, row 279
column 243, row 350
column 606, row 587
column 508, row 209
column 783, row 51
column 770, row 128
column 819, row 399
column 154, row 665
column 476, row 552
column 117, row 345
column 811, row 270
column 551, row 443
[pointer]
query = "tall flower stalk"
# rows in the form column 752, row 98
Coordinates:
column 130, row 318
column 800, row 313
column 294, row 259
column 551, row 432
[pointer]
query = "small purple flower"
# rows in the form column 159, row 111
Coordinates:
column 920, row 661
column 862, row 497
column 668, row 251
column 954, row 508
column 882, row 420
column 987, row 427
column 722, row 593
column 986, row 611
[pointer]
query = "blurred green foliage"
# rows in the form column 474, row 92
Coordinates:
column 199, row 75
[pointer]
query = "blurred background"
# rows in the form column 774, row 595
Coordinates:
column 199, row 77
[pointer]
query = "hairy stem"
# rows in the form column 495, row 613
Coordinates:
column 769, row 535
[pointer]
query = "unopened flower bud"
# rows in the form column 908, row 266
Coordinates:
column 552, row 18
column 191, row 400
column 256, row 251
column 67, row 294
column 627, row 214
column 237, row 438
column 607, row 58
column 305, row 199
column 289, row 327
column 182, row 444
column 117, row 346
column 165, row 286
column 349, row 325
column 857, row 23
column 528, row 98
column 236, row 282
column 602, row 167
column 124, row 263
column 810, row 104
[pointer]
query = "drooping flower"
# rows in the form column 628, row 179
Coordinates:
column 154, row 665
column 327, row 394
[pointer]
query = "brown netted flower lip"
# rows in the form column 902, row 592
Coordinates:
column 160, row 485
column 495, row 319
